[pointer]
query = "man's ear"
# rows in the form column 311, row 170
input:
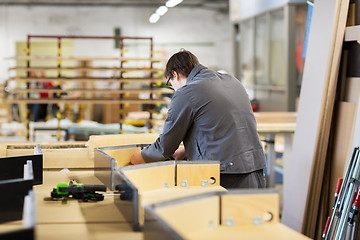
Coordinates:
column 176, row 75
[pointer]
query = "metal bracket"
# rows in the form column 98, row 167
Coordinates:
column 229, row 222
column 184, row 183
column 204, row 183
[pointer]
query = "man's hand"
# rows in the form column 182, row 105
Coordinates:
column 137, row 158
column 179, row 154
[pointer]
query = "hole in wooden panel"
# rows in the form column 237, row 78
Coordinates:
column 212, row 180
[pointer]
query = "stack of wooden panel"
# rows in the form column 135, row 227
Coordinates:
column 325, row 125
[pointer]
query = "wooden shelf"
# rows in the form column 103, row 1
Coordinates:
column 107, row 91
column 352, row 33
column 89, row 79
column 84, row 69
column 89, row 101
column 86, row 58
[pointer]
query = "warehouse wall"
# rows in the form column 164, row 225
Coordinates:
column 206, row 33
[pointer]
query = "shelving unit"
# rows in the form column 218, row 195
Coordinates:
column 82, row 74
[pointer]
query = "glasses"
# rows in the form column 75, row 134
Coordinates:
column 169, row 84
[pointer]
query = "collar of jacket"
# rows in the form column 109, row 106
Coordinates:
column 194, row 72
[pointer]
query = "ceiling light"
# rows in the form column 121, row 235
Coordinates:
column 161, row 10
column 154, row 18
column 172, row 3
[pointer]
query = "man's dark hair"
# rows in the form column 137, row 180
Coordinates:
column 182, row 62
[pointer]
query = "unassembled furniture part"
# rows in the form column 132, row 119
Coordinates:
column 237, row 214
column 144, row 184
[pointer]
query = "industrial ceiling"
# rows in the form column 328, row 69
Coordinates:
column 216, row 5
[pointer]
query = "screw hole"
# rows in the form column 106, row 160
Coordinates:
column 212, row 180
column 268, row 217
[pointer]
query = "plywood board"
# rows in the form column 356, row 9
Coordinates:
column 343, row 138
column 352, row 90
column 310, row 114
column 97, row 141
column 268, row 231
column 96, row 231
column 122, row 156
column 323, row 132
column 203, row 213
column 152, row 178
column 243, row 208
column 72, row 210
column 195, row 173
column 275, row 117
column 60, row 158
column 160, row 195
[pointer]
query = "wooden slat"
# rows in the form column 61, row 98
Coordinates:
column 85, row 69
column 90, row 101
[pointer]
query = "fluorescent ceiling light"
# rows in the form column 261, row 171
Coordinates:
column 154, row 18
column 161, row 10
column 172, row 3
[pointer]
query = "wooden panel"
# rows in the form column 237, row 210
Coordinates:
column 122, row 156
column 342, row 145
column 203, row 212
column 121, row 139
column 243, row 208
column 60, row 158
column 98, row 231
column 72, row 210
column 352, row 90
column 55, row 155
column 152, row 178
column 159, row 195
column 270, row 232
column 118, row 140
column 94, row 220
column 11, row 226
column 352, row 33
column 312, row 213
column 275, row 117
column 165, row 194
column 195, row 173
column 320, row 53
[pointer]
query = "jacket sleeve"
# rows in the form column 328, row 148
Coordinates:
column 179, row 118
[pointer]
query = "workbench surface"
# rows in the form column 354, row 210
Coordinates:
column 74, row 219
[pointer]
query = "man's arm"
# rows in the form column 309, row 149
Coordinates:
column 137, row 158
column 179, row 154
column 179, row 118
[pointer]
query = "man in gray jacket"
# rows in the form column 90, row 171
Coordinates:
column 211, row 113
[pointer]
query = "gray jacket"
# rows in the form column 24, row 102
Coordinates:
column 212, row 115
